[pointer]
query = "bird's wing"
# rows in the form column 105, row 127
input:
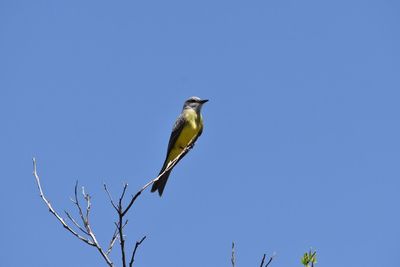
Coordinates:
column 176, row 131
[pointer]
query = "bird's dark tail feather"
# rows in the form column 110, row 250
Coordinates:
column 160, row 184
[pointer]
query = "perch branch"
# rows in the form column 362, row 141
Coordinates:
column 123, row 211
column 169, row 167
column 87, row 230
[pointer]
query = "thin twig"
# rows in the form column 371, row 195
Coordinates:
column 262, row 261
column 117, row 224
column 170, row 166
column 76, row 223
column 269, row 261
column 112, row 241
column 88, row 204
column 121, row 212
column 312, row 256
column 121, row 241
column 123, row 194
column 134, row 251
column 233, row 259
column 110, row 198
column 93, row 241
column 52, row 211
column 78, row 206
column 101, row 251
column 87, row 224
column 121, row 226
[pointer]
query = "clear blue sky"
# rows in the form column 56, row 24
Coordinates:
column 301, row 143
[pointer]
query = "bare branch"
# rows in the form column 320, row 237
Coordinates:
column 87, row 224
column 262, row 261
column 78, row 206
column 76, row 224
column 52, row 211
column 233, row 259
column 121, row 226
column 119, row 209
column 110, row 198
column 93, row 241
column 269, row 261
column 121, row 240
column 117, row 224
column 101, row 251
column 170, row 166
column 122, row 212
column 123, row 194
column 138, row 243
column 112, row 241
column 88, row 204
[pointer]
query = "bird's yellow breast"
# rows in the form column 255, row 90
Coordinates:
column 193, row 125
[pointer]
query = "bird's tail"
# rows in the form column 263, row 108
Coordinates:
column 160, row 183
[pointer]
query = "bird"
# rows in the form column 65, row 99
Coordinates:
column 187, row 128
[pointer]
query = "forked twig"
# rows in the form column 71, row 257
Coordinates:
column 52, row 211
column 84, row 216
column 76, row 223
column 110, row 197
column 123, row 211
column 93, row 241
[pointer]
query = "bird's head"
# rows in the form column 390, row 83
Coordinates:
column 195, row 103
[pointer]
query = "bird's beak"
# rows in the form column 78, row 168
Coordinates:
column 203, row 101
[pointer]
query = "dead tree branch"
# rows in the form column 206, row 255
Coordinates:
column 88, row 235
column 91, row 239
column 123, row 211
column 233, row 259
column 120, row 226
column 269, row 261
column 170, row 166
column 138, row 243
column 112, row 241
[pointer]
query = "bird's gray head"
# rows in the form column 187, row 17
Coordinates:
column 195, row 103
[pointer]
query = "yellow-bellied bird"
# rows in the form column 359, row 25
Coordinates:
column 187, row 128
